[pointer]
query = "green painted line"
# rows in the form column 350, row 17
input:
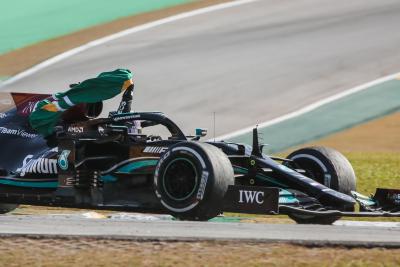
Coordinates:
column 227, row 219
column 26, row 22
column 372, row 103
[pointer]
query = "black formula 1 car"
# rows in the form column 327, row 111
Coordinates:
column 109, row 163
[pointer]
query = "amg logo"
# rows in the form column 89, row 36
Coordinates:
column 251, row 196
column 75, row 129
column 154, row 149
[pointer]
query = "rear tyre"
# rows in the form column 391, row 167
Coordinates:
column 328, row 167
column 191, row 180
column 5, row 208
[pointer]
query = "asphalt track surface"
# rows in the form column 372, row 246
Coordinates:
column 69, row 225
column 248, row 64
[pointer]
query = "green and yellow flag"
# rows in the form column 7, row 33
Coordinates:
column 103, row 87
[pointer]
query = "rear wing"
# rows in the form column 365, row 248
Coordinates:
column 17, row 138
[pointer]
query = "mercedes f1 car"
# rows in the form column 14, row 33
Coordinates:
column 109, row 163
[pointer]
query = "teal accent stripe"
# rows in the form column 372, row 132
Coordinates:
column 29, row 184
column 240, row 170
column 372, row 103
column 129, row 168
column 137, row 165
column 285, row 197
column 108, row 178
column 271, row 180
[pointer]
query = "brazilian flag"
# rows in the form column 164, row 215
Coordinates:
column 103, row 87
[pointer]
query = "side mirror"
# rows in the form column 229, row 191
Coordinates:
column 201, row 132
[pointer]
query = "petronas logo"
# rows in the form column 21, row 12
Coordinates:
column 63, row 160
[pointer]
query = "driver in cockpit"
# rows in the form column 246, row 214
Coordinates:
column 107, row 85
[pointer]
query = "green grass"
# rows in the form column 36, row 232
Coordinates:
column 375, row 170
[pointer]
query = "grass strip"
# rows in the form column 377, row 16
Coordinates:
column 90, row 252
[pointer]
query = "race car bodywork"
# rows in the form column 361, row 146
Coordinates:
column 104, row 163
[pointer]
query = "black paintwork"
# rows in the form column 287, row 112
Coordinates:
column 99, row 144
column 104, row 164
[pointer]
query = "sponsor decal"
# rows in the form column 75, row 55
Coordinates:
column 3, row 115
column 246, row 196
column 251, row 199
column 101, row 130
column 203, row 184
column 127, row 117
column 63, row 160
column 395, row 197
column 154, row 149
column 75, row 129
column 17, row 132
column 40, row 165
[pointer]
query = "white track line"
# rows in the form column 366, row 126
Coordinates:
column 308, row 108
column 112, row 37
column 367, row 224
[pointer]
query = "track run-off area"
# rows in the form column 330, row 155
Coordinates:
column 163, row 228
column 257, row 62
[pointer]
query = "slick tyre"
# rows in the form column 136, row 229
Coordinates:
column 328, row 167
column 5, row 208
column 191, row 180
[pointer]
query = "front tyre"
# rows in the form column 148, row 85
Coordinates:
column 328, row 167
column 191, row 180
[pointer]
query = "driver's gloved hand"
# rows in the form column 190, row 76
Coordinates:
column 126, row 103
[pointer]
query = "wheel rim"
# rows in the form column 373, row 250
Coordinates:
column 314, row 168
column 180, row 179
